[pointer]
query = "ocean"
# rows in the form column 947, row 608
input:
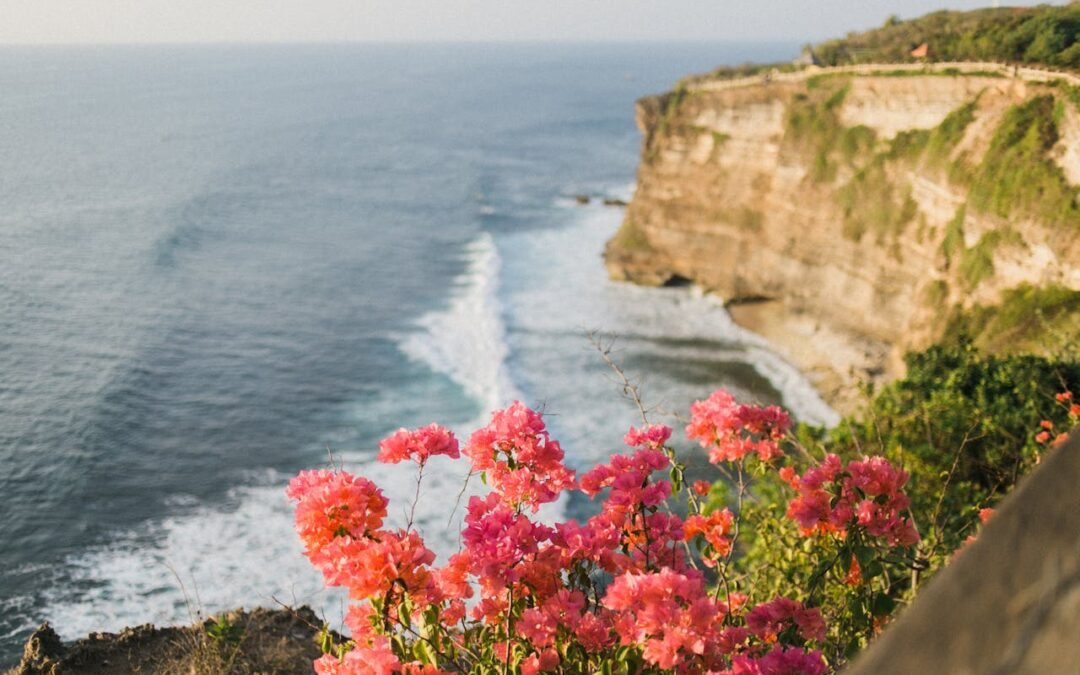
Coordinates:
column 222, row 264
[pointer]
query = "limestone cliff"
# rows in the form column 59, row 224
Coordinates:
column 852, row 215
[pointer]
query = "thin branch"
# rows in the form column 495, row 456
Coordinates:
column 629, row 389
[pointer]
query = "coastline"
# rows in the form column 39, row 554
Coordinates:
column 840, row 365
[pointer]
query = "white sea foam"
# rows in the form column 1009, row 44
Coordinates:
column 565, row 291
column 201, row 561
column 467, row 339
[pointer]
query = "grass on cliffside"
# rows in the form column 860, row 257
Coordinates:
column 1017, row 176
column 1029, row 319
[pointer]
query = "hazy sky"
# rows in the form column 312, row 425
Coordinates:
column 81, row 21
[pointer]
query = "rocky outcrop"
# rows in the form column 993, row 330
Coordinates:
column 258, row 641
column 845, row 215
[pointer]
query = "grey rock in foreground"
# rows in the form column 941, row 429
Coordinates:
column 1010, row 603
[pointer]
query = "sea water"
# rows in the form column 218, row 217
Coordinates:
column 221, row 265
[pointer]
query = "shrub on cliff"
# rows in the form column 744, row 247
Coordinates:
column 787, row 565
column 1041, row 35
column 968, row 424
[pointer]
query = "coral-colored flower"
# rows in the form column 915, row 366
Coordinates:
column 867, row 493
column 334, row 504
column 702, row 488
column 623, row 518
column 452, row 580
column 666, row 613
column 418, row 445
column 395, row 562
column 730, row 430
column 715, row 529
column 545, row 661
column 854, row 573
column 521, row 461
column 653, row 436
column 371, row 658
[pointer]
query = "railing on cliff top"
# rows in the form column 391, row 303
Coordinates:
column 1028, row 73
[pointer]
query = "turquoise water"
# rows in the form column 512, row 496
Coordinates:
column 218, row 264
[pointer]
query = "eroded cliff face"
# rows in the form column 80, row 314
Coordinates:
column 844, row 217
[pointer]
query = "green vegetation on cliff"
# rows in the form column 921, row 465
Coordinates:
column 1017, row 176
column 966, row 428
column 1042, row 35
column 1031, row 35
column 965, row 423
column 1040, row 320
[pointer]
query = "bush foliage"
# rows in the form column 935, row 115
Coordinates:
column 801, row 553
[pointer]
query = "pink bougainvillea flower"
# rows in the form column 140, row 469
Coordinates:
column 730, row 430
column 653, row 436
column 373, row 568
column 520, row 460
column 714, row 529
column 373, row 657
column 666, row 613
column 780, row 661
column 335, row 504
column 499, row 539
column 545, row 661
column 866, row 493
column 418, row 445
column 768, row 619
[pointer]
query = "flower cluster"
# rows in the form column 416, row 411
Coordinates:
column 1047, row 435
column 714, row 530
column 626, row 586
column 731, row 431
column 520, row 460
column 866, row 494
column 418, row 445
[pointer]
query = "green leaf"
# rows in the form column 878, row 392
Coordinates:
column 865, row 556
column 425, row 652
column 676, row 479
column 873, row 570
column 883, row 605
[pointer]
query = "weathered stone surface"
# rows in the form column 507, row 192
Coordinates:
column 1010, row 603
column 729, row 199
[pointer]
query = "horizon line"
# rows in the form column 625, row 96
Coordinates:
column 411, row 42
